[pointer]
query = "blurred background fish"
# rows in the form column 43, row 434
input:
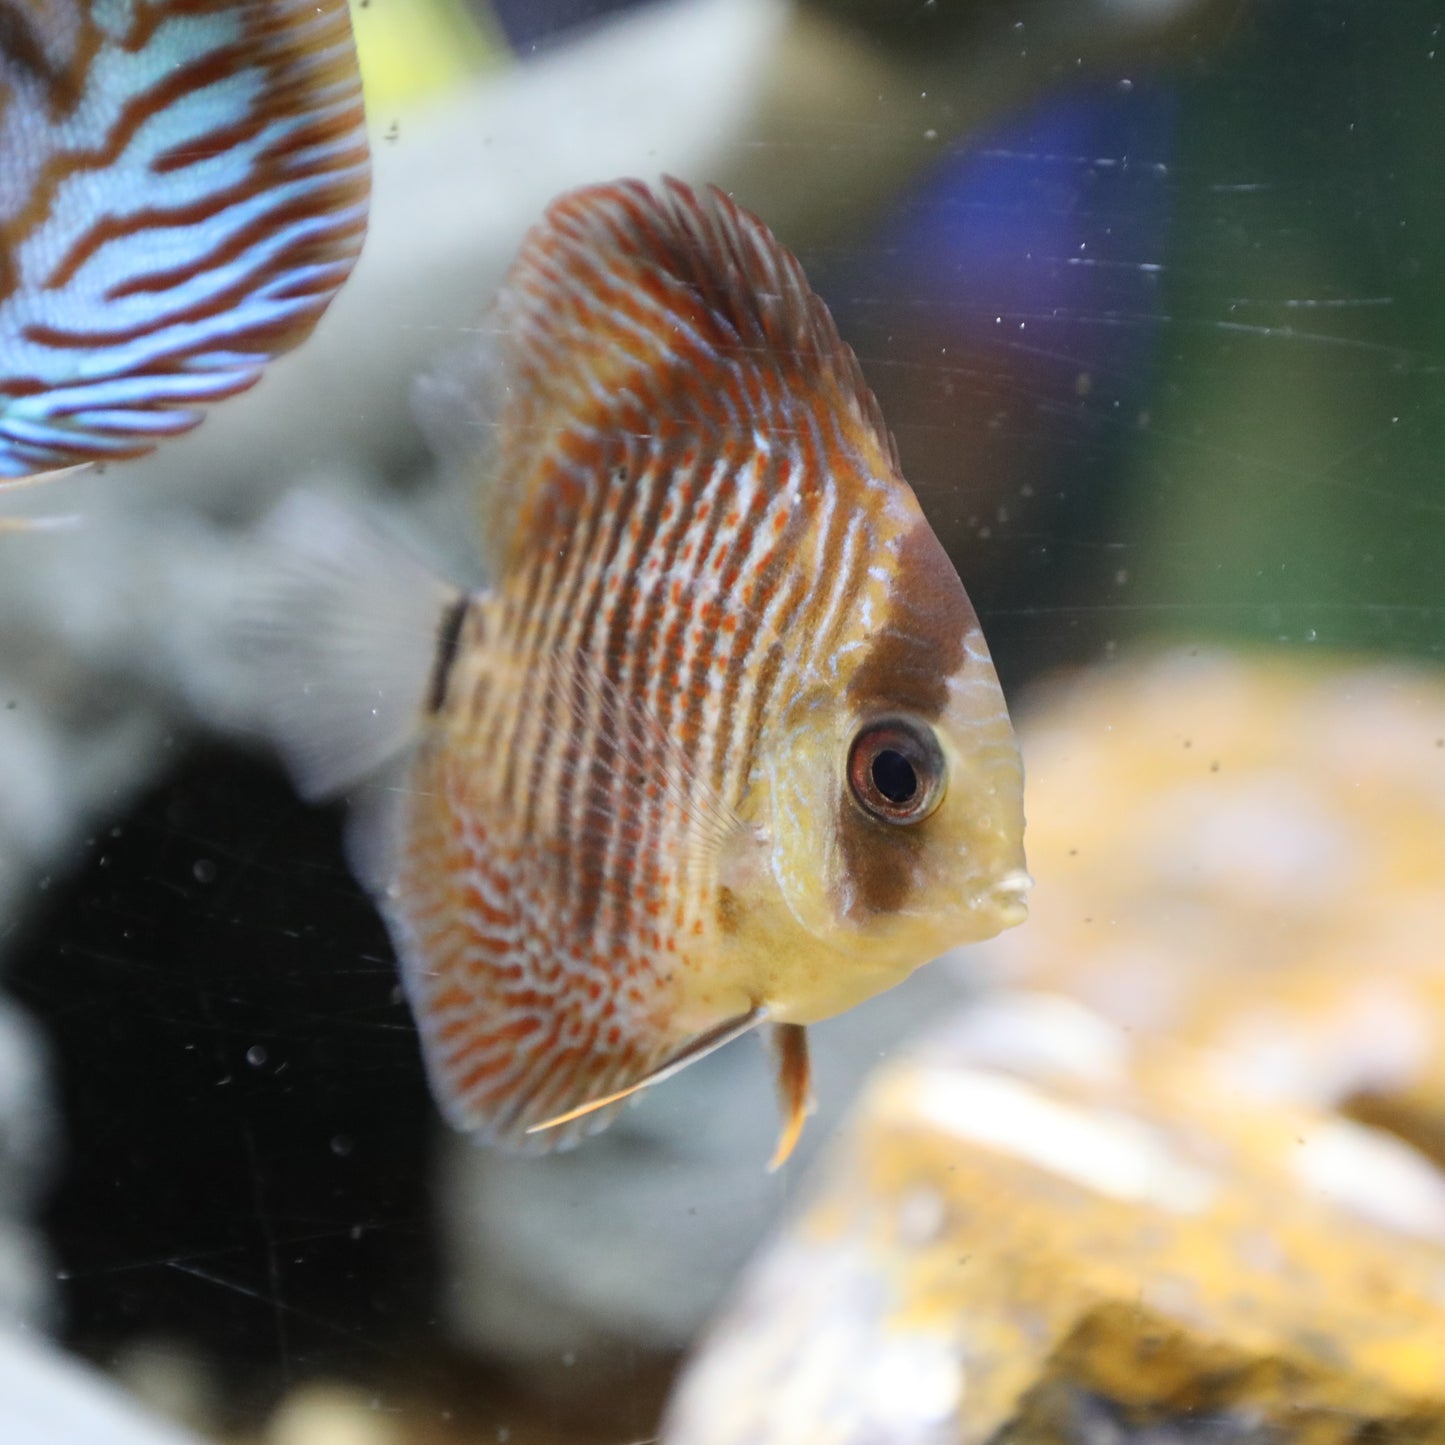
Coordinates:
column 183, row 188
column 721, row 745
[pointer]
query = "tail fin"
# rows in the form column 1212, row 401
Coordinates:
column 339, row 628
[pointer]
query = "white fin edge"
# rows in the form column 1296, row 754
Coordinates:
column 698, row 1048
column 338, row 626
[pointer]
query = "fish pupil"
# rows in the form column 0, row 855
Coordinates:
column 894, row 776
column 896, row 771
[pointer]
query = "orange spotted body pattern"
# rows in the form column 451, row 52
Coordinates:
column 575, row 855
column 718, row 747
column 705, row 560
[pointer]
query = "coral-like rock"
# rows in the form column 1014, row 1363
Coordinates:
column 1247, row 852
column 1042, row 1229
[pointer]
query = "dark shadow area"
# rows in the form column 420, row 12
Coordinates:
column 245, row 1114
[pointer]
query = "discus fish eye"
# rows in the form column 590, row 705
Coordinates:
column 896, row 770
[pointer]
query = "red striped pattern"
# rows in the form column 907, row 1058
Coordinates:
column 697, row 521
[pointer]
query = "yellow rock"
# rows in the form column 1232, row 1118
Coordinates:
column 1248, row 853
column 1042, row 1226
column 1134, row 1198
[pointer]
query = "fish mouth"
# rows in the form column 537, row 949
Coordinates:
column 1009, row 896
column 1016, row 881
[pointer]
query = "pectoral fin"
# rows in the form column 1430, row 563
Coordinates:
column 795, row 1093
column 338, row 628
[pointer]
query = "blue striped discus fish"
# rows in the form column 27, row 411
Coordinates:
column 183, row 188
column 720, row 745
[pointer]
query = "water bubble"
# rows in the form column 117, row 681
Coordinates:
column 256, row 1055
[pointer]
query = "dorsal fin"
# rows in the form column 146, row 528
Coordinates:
column 632, row 313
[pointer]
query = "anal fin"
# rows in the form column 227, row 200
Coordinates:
column 698, row 1048
column 531, row 1033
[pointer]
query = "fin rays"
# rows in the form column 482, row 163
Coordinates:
column 699, row 1048
column 637, row 312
